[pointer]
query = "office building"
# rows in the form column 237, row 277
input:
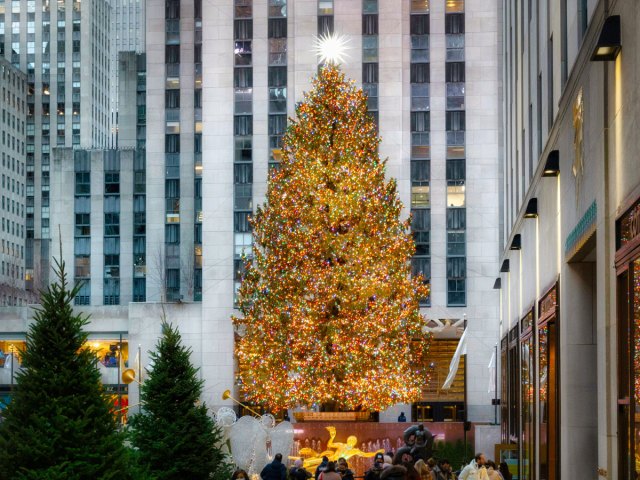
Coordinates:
column 221, row 79
column 568, row 276
column 63, row 48
column 13, row 84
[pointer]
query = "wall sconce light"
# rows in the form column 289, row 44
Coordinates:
column 552, row 165
column 516, row 243
column 532, row 209
column 505, row 267
column 498, row 284
column 608, row 46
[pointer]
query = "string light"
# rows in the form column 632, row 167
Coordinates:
column 330, row 309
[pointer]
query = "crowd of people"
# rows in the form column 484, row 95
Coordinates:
column 403, row 466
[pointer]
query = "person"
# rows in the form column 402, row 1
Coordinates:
column 274, row 470
column 374, row 472
column 322, row 467
column 475, row 470
column 297, row 472
column 423, row 470
column 403, row 457
column 239, row 474
column 504, row 471
column 343, row 469
column 394, row 472
column 330, row 472
column 492, row 471
column 402, row 417
column 443, row 470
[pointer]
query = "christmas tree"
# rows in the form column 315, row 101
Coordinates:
column 59, row 424
column 174, row 436
column 330, row 311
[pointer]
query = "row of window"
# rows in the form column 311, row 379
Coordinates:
column 172, row 149
column 243, row 119
column 456, row 169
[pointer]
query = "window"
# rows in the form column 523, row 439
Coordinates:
column 454, row 23
column 420, row 196
column 456, row 280
column 455, row 194
column 172, row 54
column 419, row 25
column 454, row 72
column 277, row 28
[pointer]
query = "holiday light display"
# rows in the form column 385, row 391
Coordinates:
column 330, row 310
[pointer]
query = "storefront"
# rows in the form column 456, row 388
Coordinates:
column 548, row 385
column 628, row 310
column 527, row 372
column 112, row 357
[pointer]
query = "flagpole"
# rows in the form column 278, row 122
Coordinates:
column 495, row 391
column 464, row 420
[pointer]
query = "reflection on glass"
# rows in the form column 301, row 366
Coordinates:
column 527, row 407
column 10, row 360
column 543, row 346
column 636, row 359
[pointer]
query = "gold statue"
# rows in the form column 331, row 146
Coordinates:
column 335, row 450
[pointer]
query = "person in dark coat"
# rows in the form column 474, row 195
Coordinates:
column 298, row 472
column 374, row 472
column 322, row 467
column 274, row 470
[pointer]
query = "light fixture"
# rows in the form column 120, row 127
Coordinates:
column 552, row 165
column 498, row 284
column 516, row 243
column 608, row 46
column 505, row 266
column 532, row 209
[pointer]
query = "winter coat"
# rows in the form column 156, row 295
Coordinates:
column 330, row 476
column 473, row 472
column 274, row 471
column 299, row 473
column 440, row 475
column 321, row 468
column 374, row 472
column 395, row 472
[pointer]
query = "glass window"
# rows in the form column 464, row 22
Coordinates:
column 277, row 8
column 455, row 194
column 420, row 196
column 454, row 6
column 420, row 6
column 325, row 7
column 454, row 23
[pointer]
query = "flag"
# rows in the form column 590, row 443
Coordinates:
column 455, row 361
column 492, row 373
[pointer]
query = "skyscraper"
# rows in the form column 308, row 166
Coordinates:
column 13, row 103
column 222, row 77
column 64, row 50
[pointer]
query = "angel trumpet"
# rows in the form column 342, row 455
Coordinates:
column 129, row 375
column 227, row 395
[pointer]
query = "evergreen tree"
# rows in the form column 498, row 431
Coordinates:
column 330, row 310
column 174, row 437
column 59, row 424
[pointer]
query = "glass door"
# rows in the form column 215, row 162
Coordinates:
column 629, row 370
column 548, row 386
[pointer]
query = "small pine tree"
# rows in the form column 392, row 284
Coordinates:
column 174, row 436
column 59, row 424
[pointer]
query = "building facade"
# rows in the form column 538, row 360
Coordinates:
column 221, row 79
column 13, row 170
column 568, row 278
column 64, row 50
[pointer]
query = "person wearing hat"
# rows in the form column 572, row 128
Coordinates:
column 298, row 472
column 378, row 465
